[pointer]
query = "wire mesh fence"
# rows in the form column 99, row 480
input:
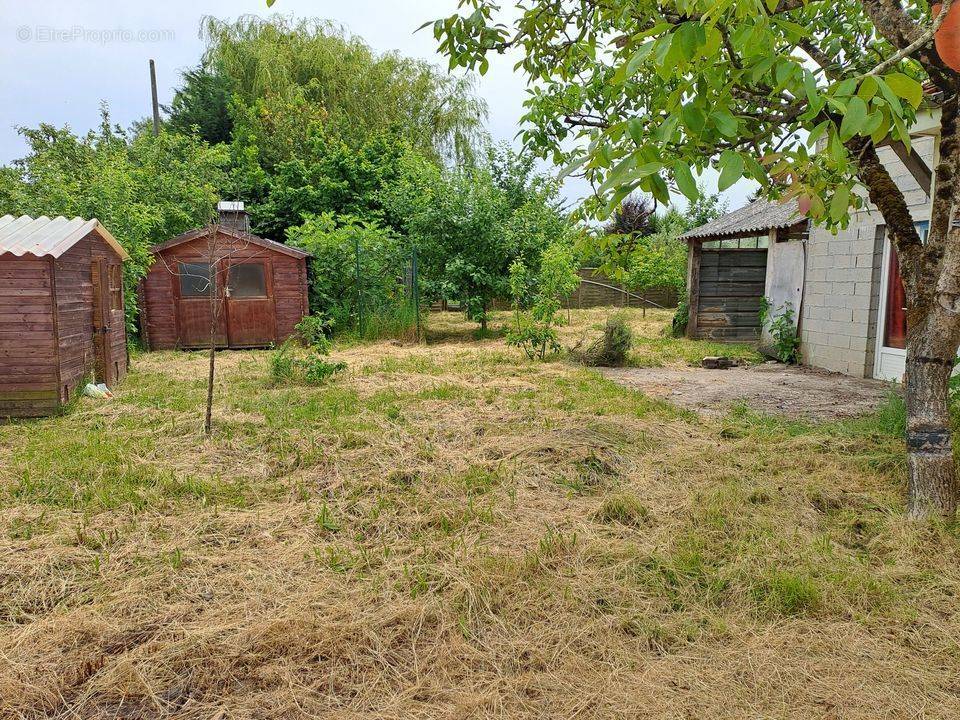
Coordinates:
column 384, row 300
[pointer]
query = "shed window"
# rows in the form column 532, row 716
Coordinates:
column 116, row 287
column 195, row 279
column 247, row 280
column 746, row 243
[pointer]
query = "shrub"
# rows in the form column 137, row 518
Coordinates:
column 783, row 331
column 358, row 274
column 535, row 329
column 281, row 365
column 317, row 369
column 659, row 260
column 536, row 340
column 681, row 318
column 314, row 331
column 611, row 348
column 309, row 367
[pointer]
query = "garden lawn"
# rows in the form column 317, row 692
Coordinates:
column 451, row 531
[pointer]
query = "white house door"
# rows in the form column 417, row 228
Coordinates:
column 892, row 333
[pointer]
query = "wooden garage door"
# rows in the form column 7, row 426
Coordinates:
column 731, row 286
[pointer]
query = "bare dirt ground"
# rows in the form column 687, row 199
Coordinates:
column 794, row 392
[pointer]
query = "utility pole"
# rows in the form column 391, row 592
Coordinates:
column 156, row 105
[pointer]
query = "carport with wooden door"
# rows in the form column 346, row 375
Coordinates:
column 737, row 260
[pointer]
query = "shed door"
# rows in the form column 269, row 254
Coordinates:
column 103, row 368
column 251, row 314
column 731, row 284
column 193, row 284
column 117, row 336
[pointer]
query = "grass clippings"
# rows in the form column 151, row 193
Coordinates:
column 449, row 531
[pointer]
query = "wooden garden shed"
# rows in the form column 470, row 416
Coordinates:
column 737, row 260
column 259, row 288
column 61, row 311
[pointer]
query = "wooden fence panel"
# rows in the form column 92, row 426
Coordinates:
column 597, row 290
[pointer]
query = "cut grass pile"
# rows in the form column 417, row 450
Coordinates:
column 653, row 346
column 451, row 531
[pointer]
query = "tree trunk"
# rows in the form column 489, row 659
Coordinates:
column 208, row 421
column 932, row 476
column 931, row 280
column 214, row 268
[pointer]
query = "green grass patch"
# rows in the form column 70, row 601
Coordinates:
column 664, row 350
column 107, row 467
column 782, row 592
column 623, row 509
column 587, row 392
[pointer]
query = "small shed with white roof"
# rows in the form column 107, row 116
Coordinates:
column 61, row 311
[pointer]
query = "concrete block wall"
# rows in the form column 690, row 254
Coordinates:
column 840, row 315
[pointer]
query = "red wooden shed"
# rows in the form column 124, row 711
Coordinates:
column 259, row 286
column 61, row 311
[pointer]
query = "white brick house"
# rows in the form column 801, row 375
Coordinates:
column 851, row 317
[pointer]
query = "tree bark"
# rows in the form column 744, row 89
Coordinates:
column 931, row 348
column 930, row 277
column 933, row 336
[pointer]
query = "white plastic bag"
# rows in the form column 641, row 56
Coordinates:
column 97, row 391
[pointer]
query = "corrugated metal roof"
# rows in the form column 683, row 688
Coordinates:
column 44, row 237
column 245, row 236
column 758, row 215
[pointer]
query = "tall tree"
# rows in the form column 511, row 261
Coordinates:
column 469, row 224
column 202, row 105
column 657, row 90
column 361, row 92
column 144, row 189
column 632, row 217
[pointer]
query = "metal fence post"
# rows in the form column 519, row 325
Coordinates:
column 356, row 247
column 415, row 270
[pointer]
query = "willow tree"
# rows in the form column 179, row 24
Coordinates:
column 271, row 66
column 795, row 94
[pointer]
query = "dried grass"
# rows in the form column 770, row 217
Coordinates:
column 425, row 538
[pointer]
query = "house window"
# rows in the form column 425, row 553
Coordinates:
column 247, row 280
column 195, row 279
column 116, row 287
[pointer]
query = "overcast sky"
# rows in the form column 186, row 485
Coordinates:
column 60, row 58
